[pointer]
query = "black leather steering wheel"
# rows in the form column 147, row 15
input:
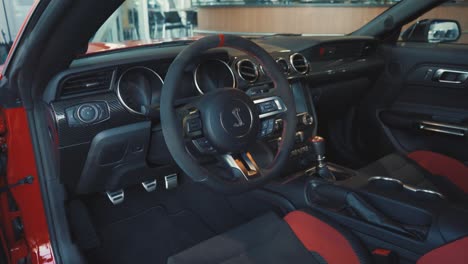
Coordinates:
column 226, row 121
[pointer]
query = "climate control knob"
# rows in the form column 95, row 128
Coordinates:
column 87, row 113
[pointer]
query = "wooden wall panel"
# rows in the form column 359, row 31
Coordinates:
column 312, row 20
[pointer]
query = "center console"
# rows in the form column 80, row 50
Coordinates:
column 299, row 158
column 385, row 213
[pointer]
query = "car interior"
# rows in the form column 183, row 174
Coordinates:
column 228, row 149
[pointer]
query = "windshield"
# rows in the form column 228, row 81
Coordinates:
column 139, row 22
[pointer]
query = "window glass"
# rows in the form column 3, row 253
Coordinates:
column 162, row 20
column 12, row 15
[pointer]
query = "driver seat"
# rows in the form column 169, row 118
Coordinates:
column 298, row 238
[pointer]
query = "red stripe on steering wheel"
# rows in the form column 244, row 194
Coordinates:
column 221, row 40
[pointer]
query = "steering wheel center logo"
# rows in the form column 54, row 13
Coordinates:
column 236, row 119
column 236, row 114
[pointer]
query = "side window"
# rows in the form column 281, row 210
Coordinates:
column 447, row 23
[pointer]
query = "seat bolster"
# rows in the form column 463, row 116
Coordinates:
column 438, row 164
column 330, row 242
column 454, row 253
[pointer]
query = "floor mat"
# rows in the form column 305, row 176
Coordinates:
column 149, row 237
column 149, row 227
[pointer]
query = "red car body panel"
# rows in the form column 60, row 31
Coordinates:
column 34, row 242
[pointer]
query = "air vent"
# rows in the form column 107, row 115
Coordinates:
column 299, row 63
column 86, row 83
column 283, row 65
column 247, row 70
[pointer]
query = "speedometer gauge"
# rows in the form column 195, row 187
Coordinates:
column 213, row 74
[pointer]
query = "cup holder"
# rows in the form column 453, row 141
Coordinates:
column 392, row 184
column 386, row 183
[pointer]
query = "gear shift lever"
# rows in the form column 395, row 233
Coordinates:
column 318, row 147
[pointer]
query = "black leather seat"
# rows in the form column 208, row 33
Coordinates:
column 298, row 238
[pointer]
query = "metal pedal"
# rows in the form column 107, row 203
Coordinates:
column 150, row 186
column 116, row 197
column 171, row 181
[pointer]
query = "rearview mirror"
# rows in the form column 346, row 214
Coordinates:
column 433, row 31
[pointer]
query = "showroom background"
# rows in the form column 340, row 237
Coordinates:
column 149, row 20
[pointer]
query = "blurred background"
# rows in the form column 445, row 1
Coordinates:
column 154, row 20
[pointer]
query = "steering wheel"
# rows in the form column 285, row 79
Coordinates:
column 226, row 122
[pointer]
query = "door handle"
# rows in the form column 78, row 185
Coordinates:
column 450, row 76
column 446, row 129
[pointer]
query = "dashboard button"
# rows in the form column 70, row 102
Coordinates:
column 103, row 109
column 87, row 113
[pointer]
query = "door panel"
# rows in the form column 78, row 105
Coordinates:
column 420, row 102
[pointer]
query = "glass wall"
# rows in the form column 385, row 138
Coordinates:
column 147, row 20
column 292, row 2
column 12, row 15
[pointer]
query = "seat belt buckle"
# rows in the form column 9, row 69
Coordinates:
column 384, row 256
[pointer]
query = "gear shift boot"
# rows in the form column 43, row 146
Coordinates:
column 325, row 173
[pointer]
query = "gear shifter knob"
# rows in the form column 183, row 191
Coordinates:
column 318, row 145
column 318, row 148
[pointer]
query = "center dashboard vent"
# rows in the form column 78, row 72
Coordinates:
column 299, row 63
column 86, row 83
column 283, row 65
column 247, row 70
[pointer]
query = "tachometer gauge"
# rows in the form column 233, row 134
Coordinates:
column 213, row 74
column 138, row 87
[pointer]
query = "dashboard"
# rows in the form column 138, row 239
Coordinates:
column 97, row 108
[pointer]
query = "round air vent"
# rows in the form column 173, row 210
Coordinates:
column 283, row 64
column 247, row 70
column 299, row 63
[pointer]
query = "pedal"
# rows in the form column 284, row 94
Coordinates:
column 171, row 181
column 116, row 197
column 150, row 186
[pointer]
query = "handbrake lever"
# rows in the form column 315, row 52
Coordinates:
column 372, row 215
